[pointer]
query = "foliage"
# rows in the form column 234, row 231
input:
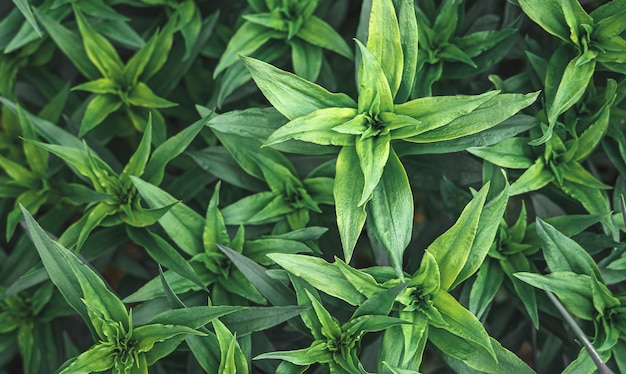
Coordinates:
column 291, row 186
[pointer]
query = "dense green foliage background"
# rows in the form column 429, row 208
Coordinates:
column 313, row 186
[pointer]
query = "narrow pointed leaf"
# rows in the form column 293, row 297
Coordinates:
column 316, row 127
column 97, row 111
column 452, row 248
column 251, row 319
column 574, row 290
column 320, row 274
column 170, row 149
column 273, row 290
column 373, row 84
column 391, row 211
column 373, row 154
column 164, row 254
column 348, row 188
column 247, row 39
column 100, row 51
column 563, row 253
column 69, row 43
column 63, row 268
column 142, row 95
column 408, row 37
column 384, row 42
column 181, row 223
column 291, row 95
column 317, row 32
column 547, row 14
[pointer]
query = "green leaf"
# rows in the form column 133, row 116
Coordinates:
column 97, row 111
column 193, row 317
column 302, row 357
column 330, row 327
column 138, row 160
column 170, row 149
column 24, row 8
column 218, row 161
column 461, row 322
column 99, row 50
column 214, row 232
column 232, row 358
column 379, row 304
column 348, row 188
column 86, row 163
column 18, row 173
column 412, row 339
column 267, row 20
column 148, row 335
column 320, row 274
column 291, row 95
column 98, row 86
column 489, row 114
column 375, row 95
column 592, row 136
column 593, row 200
column 534, row 178
column 487, row 228
column 608, row 20
column 488, row 281
column 306, row 58
column 142, row 95
column 518, row 262
column 584, row 363
column 181, row 223
column 564, row 254
column 260, row 208
column 206, row 350
column 570, row 89
column 396, row 370
column 154, row 288
column 69, row 43
column 603, row 302
column 73, row 278
column 575, row 173
column 317, row 32
column 98, row 358
column 453, row 247
column 512, row 153
column 575, row 17
column 136, row 64
column 316, row 127
column 248, row 38
column 408, row 40
column 164, row 254
column 373, row 153
column 252, row 319
column 437, row 111
column 384, row 42
column 547, row 14
column 464, row 357
column 391, row 211
column 574, row 290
